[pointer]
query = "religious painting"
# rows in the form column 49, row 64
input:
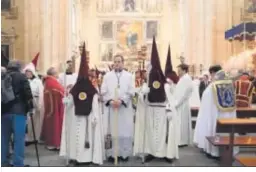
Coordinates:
column 129, row 5
column 129, row 37
column 106, row 52
column 250, row 6
column 5, row 5
column 107, row 30
column 151, row 29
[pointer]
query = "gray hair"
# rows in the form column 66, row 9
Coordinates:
column 14, row 65
column 51, row 71
column 221, row 75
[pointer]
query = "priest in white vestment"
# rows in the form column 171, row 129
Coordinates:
column 211, row 110
column 37, row 89
column 81, row 140
column 195, row 97
column 68, row 79
column 117, row 91
column 182, row 95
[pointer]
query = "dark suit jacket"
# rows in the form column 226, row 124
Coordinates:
column 202, row 87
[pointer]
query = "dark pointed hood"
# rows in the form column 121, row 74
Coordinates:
column 169, row 72
column 4, row 60
column 83, row 91
column 168, row 64
column 156, row 78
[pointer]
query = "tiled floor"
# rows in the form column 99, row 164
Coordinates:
column 189, row 156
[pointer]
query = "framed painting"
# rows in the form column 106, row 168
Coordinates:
column 106, row 52
column 250, row 6
column 107, row 30
column 129, row 5
column 151, row 29
column 129, row 36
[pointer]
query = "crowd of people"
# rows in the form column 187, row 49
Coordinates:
column 93, row 116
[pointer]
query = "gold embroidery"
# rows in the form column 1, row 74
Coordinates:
column 214, row 87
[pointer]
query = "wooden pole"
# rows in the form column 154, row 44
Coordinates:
column 116, row 131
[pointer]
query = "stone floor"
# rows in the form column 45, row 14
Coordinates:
column 189, row 156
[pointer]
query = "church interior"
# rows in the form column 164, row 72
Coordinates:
column 200, row 34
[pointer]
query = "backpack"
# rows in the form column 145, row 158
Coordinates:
column 7, row 88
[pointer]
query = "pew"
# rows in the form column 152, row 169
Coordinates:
column 241, row 113
column 246, row 161
column 222, row 142
column 232, row 126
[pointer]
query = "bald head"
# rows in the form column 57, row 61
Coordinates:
column 52, row 72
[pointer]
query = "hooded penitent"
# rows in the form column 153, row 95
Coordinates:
column 32, row 65
column 169, row 73
column 83, row 92
column 156, row 78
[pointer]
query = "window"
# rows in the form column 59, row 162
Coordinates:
column 5, row 5
column 5, row 49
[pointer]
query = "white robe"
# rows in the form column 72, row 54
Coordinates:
column 37, row 90
column 195, row 98
column 173, row 133
column 124, row 115
column 74, row 132
column 151, row 125
column 206, row 122
column 70, row 80
column 182, row 95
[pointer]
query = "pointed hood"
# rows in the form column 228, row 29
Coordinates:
column 35, row 60
column 32, row 66
column 168, row 64
column 4, row 60
column 169, row 72
column 83, row 91
column 156, row 78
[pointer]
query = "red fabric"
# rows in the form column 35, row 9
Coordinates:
column 54, row 110
column 35, row 60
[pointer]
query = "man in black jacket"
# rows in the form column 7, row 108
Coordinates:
column 13, row 117
column 203, row 85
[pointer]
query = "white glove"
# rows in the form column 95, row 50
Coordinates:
column 65, row 100
column 168, row 107
column 145, row 89
column 94, row 120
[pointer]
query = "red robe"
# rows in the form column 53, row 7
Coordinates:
column 54, row 110
column 244, row 91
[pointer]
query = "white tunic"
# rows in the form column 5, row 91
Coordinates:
column 182, row 95
column 206, row 122
column 70, row 80
column 37, row 89
column 124, row 115
column 74, row 132
column 173, row 133
column 195, row 98
column 151, row 125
